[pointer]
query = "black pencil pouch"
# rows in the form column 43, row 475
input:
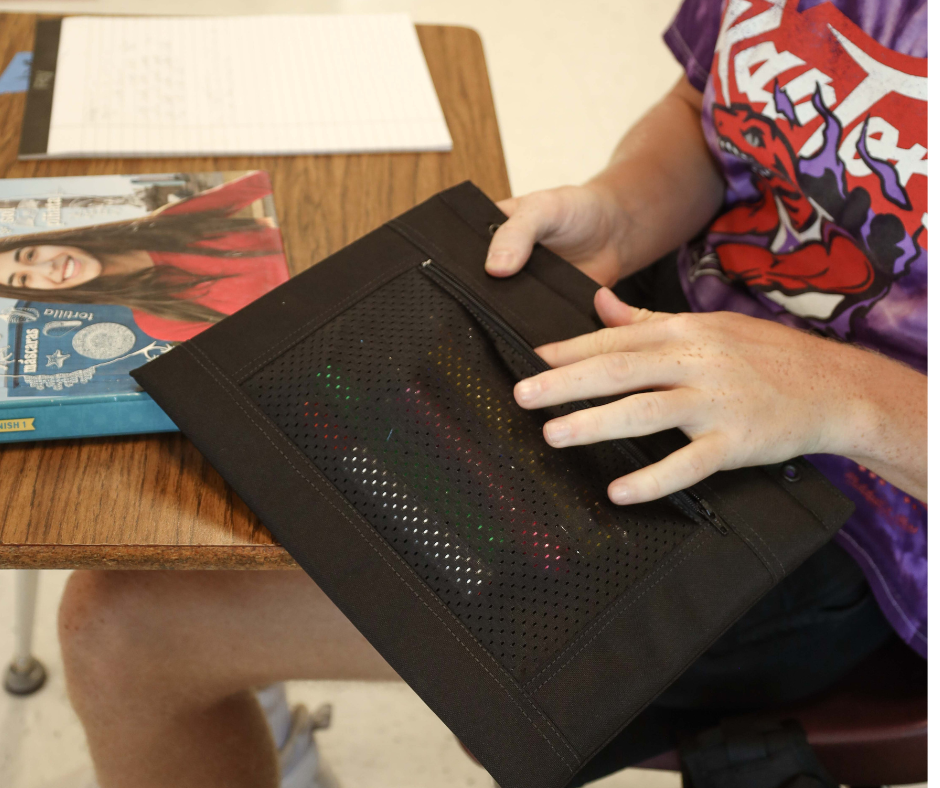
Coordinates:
column 364, row 411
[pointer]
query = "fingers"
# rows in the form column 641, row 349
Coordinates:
column 530, row 219
column 617, row 316
column 598, row 376
column 683, row 468
column 614, row 312
column 641, row 414
column 645, row 335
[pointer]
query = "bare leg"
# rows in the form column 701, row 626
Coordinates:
column 159, row 666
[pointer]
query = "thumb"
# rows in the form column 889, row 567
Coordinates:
column 530, row 218
column 513, row 241
column 613, row 312
column 508, row 206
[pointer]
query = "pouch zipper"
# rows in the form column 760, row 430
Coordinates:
column 688, row 501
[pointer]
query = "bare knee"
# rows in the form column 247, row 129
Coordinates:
column 116, row 646
column 93, row 616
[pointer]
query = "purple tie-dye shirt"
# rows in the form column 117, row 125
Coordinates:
column 817, row 114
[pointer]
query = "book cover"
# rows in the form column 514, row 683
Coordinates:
column 100, row 274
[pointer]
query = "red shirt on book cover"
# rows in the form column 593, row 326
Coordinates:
column 243, row 280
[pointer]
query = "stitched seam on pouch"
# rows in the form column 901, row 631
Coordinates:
column 744, row 524
column 614, row 613
column 222, row 381
column 248, row 369
column 614, row 610
column 827, row 521
column 417, row 238
column 455, row 209
column 737, row 529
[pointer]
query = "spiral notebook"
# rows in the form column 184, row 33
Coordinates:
column 172, row 86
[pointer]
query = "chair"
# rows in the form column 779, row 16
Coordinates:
column 25, row 674
column 870, row 729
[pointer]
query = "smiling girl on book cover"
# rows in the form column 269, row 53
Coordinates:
column 179, row 269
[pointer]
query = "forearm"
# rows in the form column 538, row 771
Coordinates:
column 663, row 178
column 885, row 423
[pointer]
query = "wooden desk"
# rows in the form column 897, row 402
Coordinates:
column 154, row 502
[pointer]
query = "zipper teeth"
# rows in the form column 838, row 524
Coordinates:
column 508, row 332
column 511, row 335
column 690, row 503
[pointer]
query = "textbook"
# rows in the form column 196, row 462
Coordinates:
column 100, row 274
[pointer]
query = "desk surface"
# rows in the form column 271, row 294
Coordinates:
column 154, row 502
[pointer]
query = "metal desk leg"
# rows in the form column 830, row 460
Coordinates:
column 25, row 674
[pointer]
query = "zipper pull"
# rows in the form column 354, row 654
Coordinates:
column 712, row 516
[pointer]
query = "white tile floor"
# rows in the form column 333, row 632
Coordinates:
column 568, row 79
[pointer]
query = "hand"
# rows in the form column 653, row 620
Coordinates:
column 745, row 391
column 583, row 224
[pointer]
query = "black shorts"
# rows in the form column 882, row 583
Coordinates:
column 803, row 636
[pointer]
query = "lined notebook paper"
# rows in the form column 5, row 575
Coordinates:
column 127, row 86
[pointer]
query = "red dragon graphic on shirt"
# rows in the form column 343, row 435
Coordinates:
column 826, row 224
column 785, row 241
column 833, row 263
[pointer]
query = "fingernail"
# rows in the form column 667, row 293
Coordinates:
column 556, row 432
column 621, row 494
column 527, row 390
column 498, row 261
